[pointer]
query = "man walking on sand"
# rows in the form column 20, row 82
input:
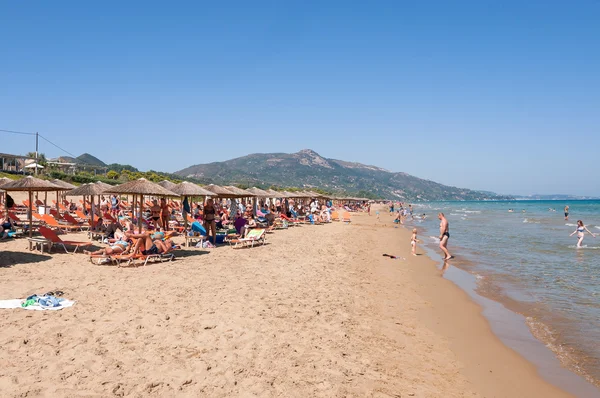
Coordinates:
column 444, row 235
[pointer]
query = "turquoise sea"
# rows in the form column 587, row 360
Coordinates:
column 526, row 260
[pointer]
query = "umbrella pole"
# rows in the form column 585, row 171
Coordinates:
column 57, row 208
column 29, row 214
column 141, row 211
column 185, row 220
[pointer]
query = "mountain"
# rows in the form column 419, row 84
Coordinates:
column 89, row 159
column 307, row 169
column 85, row 158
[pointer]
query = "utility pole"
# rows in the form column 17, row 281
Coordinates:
column 36, row 152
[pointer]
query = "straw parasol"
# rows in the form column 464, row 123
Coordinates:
column 243, row 193
column 104, row 185
column 4, row 180
column 63, row 184
column 30, row 184
column 273, row 194
column 167, row 184
column 258, row 192
column 90, row 189
column 189, row 189
column 186, row 189
column 141, row 187
column 220, row 191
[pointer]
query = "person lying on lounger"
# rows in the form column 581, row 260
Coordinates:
column 117, row 247
column 151, row 243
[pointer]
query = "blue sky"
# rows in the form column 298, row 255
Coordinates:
column 495, row 95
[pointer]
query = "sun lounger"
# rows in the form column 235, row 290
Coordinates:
column 56, row 240
column 346, row 217
column 69, row 218
column 51, row 221
column 256, row 235
column 335, row 216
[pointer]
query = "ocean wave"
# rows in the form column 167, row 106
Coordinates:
column 597, row 227
column 528, row 221
column 570, row 225
column 473, row 211
column 584, row 247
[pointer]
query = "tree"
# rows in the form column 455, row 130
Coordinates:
column 41, row 158
column 113, row 175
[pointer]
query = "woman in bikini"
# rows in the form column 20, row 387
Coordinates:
column 580, row 231
column 122, row 246
column 210, row 225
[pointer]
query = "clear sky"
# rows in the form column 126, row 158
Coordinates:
column 495, row 95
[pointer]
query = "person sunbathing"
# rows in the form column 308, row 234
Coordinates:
column 116, row 247
column 151, row 243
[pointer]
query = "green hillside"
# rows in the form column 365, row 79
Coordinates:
column 307, row 169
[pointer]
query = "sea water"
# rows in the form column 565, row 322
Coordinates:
column 526, row 259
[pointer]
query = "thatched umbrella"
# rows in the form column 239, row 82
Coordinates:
column 220, row 191
column 141, row 187
column 242, row 193
column 167, row 184
column 189, row 189
column 258, row 192
column 186, row 189
column 63, row 184
column 4, row 180
column 66, row 187
column 91, row 190
column 273, row 194
column 30, row 184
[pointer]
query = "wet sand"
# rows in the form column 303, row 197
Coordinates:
column 318, row 311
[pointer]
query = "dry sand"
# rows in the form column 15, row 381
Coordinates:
column 318, row 311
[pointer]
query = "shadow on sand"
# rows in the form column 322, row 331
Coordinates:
column 8, row 258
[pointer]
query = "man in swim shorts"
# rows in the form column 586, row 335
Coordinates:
column 444, row 235
column 567, row 213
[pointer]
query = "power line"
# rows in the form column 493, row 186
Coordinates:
column 52, row 143
column 45, row 139
column 16, row 132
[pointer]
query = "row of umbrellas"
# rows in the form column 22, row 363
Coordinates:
column 144, row 187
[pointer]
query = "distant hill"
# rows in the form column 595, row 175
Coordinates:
column 89, row 159
column 85, row 158
column 307, row 169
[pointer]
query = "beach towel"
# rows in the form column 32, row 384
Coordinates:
column 16, row 303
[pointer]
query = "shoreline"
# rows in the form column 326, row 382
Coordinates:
column 318, row 311
column 511, row 327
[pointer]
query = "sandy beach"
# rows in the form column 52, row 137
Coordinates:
column 318, row 311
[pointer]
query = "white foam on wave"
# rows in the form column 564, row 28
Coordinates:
column 435, row 238
column 473, row 211
column 463, row 218
column 584, row 247
column 597, row 227
column 528, row 221
column 570, row 225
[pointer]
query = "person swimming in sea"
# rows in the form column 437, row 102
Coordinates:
column 567, row 213
column 580, row 231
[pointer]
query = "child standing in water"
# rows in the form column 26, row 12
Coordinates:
column 413, row 242
column 580, row 231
